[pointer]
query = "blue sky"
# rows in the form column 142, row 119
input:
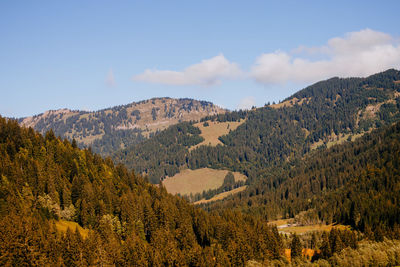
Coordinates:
column 96, row 54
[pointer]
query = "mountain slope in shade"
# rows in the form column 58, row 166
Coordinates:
column 110, row 129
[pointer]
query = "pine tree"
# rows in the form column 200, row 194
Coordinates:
column 295, row 246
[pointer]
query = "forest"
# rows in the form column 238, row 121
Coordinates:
column 355, row 183
column 124, row 220
column 270, row 136
column 319, row 157
column 45, row 180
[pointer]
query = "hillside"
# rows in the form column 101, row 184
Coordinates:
column 211, row 131
column 49, row 186
column 318, row 116
column 114, row 128
column 355, row 183
column 322, row 161
column 60, row 205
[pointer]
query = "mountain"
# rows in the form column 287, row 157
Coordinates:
column 316, row 117
column 355, row 183
column 114, row 128
column 328, row 156
column 63, row 206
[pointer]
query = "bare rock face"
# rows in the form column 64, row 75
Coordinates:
column 110, row 129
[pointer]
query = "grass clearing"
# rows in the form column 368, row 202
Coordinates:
column 214, row 130
column 291, row 103
column 221, row 195
column 280, row 222
column 286, row 226
column 63, row 225
column 310, row 228
column 344, row 138
column 336, row 140
column 196, row 181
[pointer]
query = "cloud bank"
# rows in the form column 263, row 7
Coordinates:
column 247, row 103
column 357, row 54
column 207, row 72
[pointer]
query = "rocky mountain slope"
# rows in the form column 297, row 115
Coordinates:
column 110, row 129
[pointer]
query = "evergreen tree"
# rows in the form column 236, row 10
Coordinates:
column 295, row 246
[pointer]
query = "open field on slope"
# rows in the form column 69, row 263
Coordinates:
column 196, row 181
column 290, row 103
column 310, row 228
column 336, row 140
column 222, row 195
column 62, row 226
column 284, row 226
column 214, row 130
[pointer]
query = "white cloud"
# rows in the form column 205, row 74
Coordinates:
column 247, row 103
column 110, row 80
column 207, row 72
column 359, row 53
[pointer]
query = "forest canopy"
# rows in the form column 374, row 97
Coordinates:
column 45, row 180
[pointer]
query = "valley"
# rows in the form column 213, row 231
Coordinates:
column 307, row 179
column 200, row 133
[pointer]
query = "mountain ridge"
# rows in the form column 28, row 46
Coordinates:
column 108, row 129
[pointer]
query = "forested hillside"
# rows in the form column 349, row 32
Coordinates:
column 47, row 182
column 355, row 183
column 108, row 130
column 329, row 154
column 318, row 116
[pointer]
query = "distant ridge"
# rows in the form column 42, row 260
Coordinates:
column 117, row 127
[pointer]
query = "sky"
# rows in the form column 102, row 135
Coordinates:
column 90, row 55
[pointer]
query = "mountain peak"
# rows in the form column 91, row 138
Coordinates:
column 120, row 125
